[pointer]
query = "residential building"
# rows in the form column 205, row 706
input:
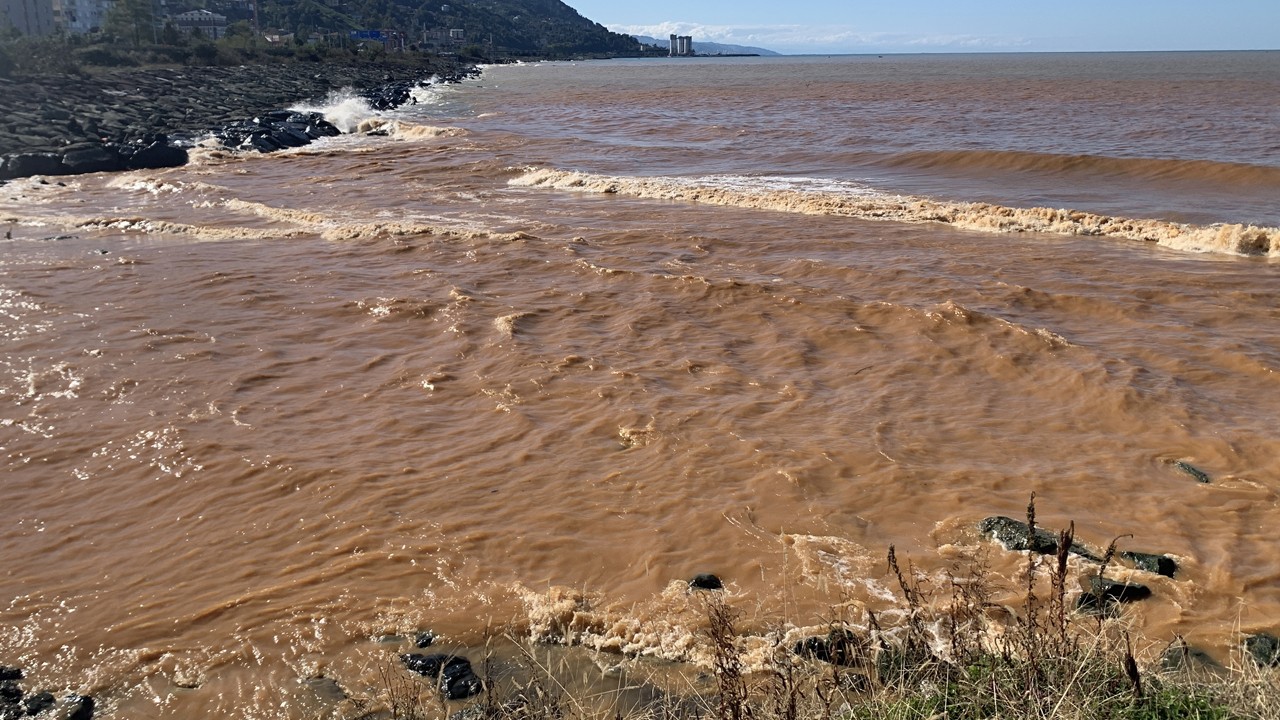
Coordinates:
column 30, row 17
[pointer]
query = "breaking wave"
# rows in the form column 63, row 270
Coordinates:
column 858, row 201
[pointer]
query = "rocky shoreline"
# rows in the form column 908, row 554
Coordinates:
column 146, row 118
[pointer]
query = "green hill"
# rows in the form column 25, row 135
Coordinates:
column 519, row 27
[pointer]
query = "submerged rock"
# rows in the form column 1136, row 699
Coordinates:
column 1264, row 648
column 1015, row 535
column 28, row 164
column 327, row 689
column 424, row 639
column 1159, row 564
column 457, row 680
column 38, row 703
column 1116, row 590
column 705, row 581
column 1181, row 657
column 839, row 647
column 1195, row 472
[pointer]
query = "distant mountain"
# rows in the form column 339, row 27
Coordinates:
column 708, row 48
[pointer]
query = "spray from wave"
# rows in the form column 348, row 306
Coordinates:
column 345, row 109
column 804, row 195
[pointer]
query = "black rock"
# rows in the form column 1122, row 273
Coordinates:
column 1159, row 564
column 10, row 673
column 1195, row 472
column 38, row 703
column 99, row 158
column 458, row 681
column 1181, row 657
column 706, row 581
column 839, row 647
column 431, row 665
column 79, row 707
column 10, row 693
column 1264, row 648
column 156, row 155
column 28, row 164
column 1097, row 605
column 1014, row 535
column 424, row 639
column 1115, row 590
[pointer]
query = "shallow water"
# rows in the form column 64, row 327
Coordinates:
column 576, row 332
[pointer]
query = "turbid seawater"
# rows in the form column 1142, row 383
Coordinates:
column 571, row 333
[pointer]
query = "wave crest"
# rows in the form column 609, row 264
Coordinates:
column 870, row 205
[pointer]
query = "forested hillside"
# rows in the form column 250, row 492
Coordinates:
column 545, row 27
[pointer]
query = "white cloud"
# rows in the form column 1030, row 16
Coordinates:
column 821, row 39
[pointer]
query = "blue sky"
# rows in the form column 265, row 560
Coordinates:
column 834, row 26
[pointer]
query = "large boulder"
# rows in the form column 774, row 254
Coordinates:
column 1108, row 589
column 705, row 581
column 82, row 159
column 456, row 679
column 1017, row 536
column 158, row 154
column 28, row 164
column 1264, row 649
column 839, row 647
column 1150, row 562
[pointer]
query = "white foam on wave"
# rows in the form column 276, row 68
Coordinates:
column 812, row 196
column 345, row 109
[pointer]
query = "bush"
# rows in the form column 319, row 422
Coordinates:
column 104, row 56
column 204, row 53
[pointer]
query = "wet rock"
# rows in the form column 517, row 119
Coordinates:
column 79, row 707
column 44, row 706
column 705, row 581
column 1181, row 657
column 1264, row 648
column 159, row 154
column 28, row 164
column 38, row 703
column 456, row 678
column 1159, row 564
column 1091, row 604
column 1115, row 590
column 424, row 639
column 1015, row 535
column 428, row 665
column 99, row 158
column 458, row 681
column 839, row 647
column 327, row 689
column 10, row 673
column 1195, row 472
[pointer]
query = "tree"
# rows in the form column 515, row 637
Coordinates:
column 133, row 19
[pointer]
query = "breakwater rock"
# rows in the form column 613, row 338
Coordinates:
column 136, row 119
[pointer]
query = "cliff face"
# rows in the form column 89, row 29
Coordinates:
column 547, row 27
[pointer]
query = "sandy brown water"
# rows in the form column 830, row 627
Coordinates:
column 533, row 373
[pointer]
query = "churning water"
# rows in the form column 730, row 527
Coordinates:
column 571, row 333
